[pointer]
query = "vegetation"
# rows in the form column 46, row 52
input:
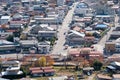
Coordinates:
column 97, row 65
column 44, row 61
column 25, row 70
column 23, row 37
column 10, row 38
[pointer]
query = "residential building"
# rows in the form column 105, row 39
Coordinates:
column 44, row 47
column 103, row 77
column 42, row 71
column 105, row 18
column 75, row 38
column 4, row 35
column 82, row 9
column 60, row 2
column 116, row 77
column 5, row 19
column 26, row 45
column 48, row 20
column 87, row 53
column 44, row 31
column 113, row 46
column 114, row 57
column 13, row 68
column 115, row 35
column 8, row 47
column 101, row 27
column 47, row 34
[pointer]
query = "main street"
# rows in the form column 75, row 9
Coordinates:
column 59, row 47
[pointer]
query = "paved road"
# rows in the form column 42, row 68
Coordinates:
column 101, row 44
column 58, row 48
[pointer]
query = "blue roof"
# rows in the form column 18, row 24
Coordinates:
column 82, row 5
column 101, row 26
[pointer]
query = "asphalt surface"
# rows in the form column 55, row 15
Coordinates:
column 60, row 44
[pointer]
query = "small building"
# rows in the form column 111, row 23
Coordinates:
column 75, row 38
column 8, row 47
column 60, row 2
column 88, row 70
column 5, row 19
column 103, row 77
column 82, row 9
column 47, row 34
column 116, row 77
column 115, row 35
column 44, row 47
column 101, row 27
column 27, row 44
column 13, row 68
column 42, row 71
column 105, row 18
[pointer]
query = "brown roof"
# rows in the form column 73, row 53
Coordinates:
column 37, row 71
column 96, row 52
column 49, row 70
column 74, row 51
column 89, row 37
column 116, row 76
column 46, row 68
column 35, row 68
column 86, row 49
column 105, row 77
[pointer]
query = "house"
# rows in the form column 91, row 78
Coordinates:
column 87, row 53
column 17, row 17
column 26, row 45
column 113, row 46
column 82, row 9
column 113, row 67
column 13, row 68
column 75, row 38
column 5, row 19
column 114, row 57
column 41, row 71
column 103, row 77
column 44, row 47
column 116, row 77
column 47, row 34
column 44, row 31
column 114, row 35
column 105, row 18
column 101, row 27
column 8, row 47
column 88, row 70
column 60, row 2
column 48, row 20
column 4, row 35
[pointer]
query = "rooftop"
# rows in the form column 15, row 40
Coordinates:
column 5, row 17
column 116, row 76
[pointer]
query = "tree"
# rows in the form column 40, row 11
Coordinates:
column 44, row 61
column 49, row 61
column 52, row 41
column 10, row 38
column 97, row 65
column 41, row 62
